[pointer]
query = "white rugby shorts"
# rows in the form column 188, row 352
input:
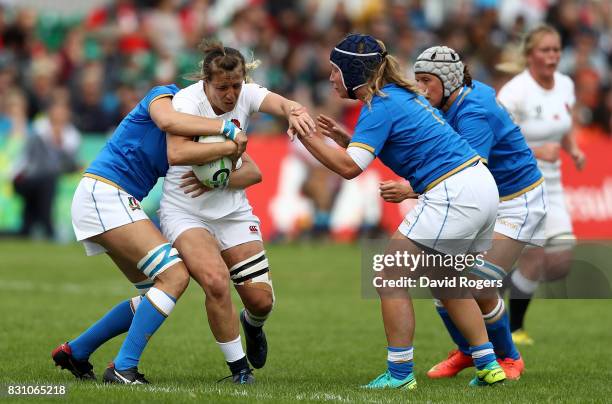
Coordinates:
column 456, row 216
column 98, row 207
column 558, row 222
column 523, row 217
column 231, row 230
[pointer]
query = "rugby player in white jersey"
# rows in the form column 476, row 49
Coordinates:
column 540, row 100
column 216, row 233
column 107, row 218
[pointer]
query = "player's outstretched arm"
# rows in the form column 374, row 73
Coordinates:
column 182, row 151
column 333, row 130
column 337, row 160
column 295, row 113
column 180, row 124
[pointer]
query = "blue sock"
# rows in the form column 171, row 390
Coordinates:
column 482, row 355
column 153, row 310
column 501, row 337
column 115, row 322
column 399, row 361
column 454, row 332
column 321, row 219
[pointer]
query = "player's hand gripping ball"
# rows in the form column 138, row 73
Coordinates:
column 215, row 174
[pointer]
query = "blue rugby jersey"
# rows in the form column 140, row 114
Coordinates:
column 135, row 156
column 479, row 118
column 411, row 138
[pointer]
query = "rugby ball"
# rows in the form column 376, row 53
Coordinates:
column 216, row 173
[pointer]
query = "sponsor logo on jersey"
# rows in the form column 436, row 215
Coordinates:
column 133, row 203
column 253, row 229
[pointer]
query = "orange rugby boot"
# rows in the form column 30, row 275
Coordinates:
column 512, row 367
column 455, row 363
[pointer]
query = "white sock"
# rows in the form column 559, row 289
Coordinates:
column 232, row 350
column 255, row 321
column 400, row 356
column 523, row 284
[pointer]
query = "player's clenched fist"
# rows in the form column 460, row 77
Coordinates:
column 396, row 191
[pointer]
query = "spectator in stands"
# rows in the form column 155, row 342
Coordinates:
column 163, row 29
column 584, row 53
column 143, row 42
column 127, row 98
column 43, row 77
column 71, row 55
column 90, row 114
column 13, row 116
column 19, row 38
column 50, row 151
column 123, row 20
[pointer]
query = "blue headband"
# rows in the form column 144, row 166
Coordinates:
column 357, row 57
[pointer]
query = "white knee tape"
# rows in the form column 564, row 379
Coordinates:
column 158, row 259
column 489, row 271
column 254, row 268
column 264, row 278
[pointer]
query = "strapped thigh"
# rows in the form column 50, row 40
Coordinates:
column 158, row 259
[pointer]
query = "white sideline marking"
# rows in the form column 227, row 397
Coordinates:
column 244, row 393
column 107, row 289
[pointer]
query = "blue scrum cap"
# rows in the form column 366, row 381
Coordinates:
column 357, row 56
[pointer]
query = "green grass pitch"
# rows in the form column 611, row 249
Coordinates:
column 325, row 339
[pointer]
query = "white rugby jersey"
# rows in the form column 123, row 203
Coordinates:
column 216, row 203
column 544, row 116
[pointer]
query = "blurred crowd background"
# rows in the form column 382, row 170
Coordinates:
column 67, row 75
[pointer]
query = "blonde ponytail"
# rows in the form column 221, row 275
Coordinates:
column 389, row 71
